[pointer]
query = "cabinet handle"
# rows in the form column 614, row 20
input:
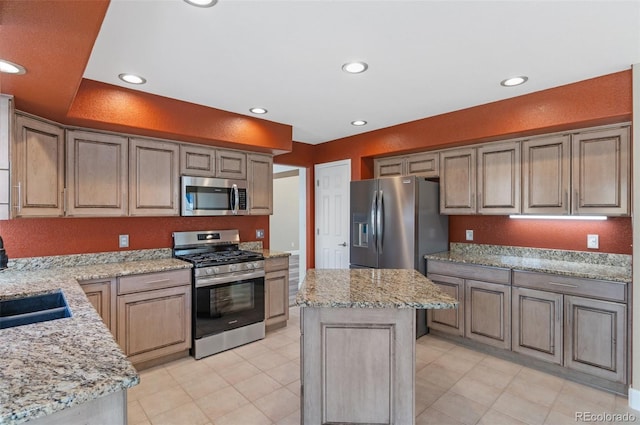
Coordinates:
column 64, row 200
column 155, row 282
column 18, row 204
column 567, row 285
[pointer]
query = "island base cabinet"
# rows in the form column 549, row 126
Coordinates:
column 537, row 324
column 341, row 347
column 110, row 409
column 596, row 337
column 488, row 313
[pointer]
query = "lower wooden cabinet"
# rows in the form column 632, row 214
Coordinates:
column 449, row 320
column 154, row 314
column 276, row 286
column 488, row 313
column 102, row 295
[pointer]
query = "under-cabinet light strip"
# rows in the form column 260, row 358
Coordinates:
column 560, row 217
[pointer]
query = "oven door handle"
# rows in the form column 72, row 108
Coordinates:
column 227, row 278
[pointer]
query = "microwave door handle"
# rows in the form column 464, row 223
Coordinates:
column 236, row 199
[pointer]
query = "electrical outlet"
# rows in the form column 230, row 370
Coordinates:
column 593, row 242
column 260, row 233
column 123, row 241
column 469, row 235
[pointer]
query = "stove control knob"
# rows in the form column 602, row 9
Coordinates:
column 250, row 266
column 233, row 267
column 216, row 269
column 209, row 271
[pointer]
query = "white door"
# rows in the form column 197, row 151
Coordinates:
column 332, row 214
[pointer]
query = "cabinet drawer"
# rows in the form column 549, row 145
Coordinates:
column 276, row 263
column 602, row 289
column 469, row 271
column 150, row 281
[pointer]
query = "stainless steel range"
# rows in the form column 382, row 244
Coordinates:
column 228, row 290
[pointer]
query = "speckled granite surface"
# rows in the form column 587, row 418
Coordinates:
column 613, row 267
column 267, row 253
column 52, row 365
column 371, row 288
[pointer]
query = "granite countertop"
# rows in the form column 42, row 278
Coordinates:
column 611, row 267
column 267, row 253
column 371, row 288
column 53, row 365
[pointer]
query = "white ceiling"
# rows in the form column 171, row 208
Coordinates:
column 425, row 57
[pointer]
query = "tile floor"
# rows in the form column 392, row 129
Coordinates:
column 259, row 383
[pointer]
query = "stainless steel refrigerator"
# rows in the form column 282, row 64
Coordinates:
column 395, row 221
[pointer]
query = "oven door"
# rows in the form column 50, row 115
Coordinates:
column 208, row 196
column 220, row 307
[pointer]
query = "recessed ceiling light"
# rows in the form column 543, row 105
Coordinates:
column 358, row 123
column 355, row 67
column 202, row 3
column 514, row 81
column 11, row 68
column 258, row 110
column 132, row 78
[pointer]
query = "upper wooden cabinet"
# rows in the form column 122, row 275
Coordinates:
column 197, row 161
column 97, row 183
column 499, row 178
column 37, row 168
column 231, row 164
column 260, row 184
column 545, row 175
column 424, row 164
column 153, row 177
column 600, row 172
column 458, row 181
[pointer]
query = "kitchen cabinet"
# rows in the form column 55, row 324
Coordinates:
column 600, row 163
column 197, row 161
column 458, row 181
column 260, row 184
column 153, row 178
column 97, row 177
column 499, row 178
column 450, row 320
column 102, row 295
column 276, row 285
column 545, row 175
column 38, row 168
column 231, row 164
column 154, row 315
column 425, row 164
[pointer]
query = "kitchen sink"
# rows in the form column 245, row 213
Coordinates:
column 33, row 309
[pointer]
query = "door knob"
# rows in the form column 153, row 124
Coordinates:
column 342, row 244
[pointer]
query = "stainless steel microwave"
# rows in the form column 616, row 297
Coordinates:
column 209, row 196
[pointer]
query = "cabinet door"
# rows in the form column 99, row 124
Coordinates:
column 600, row 164
column 276, row 297
column 260, row 184
column 423, row 164
column 102, row 295
column 153, row 178
column 388, row 167
column 232, row 164
column 97, row 183
column 197, row 161
column 596, row 337
column 488, row 313
column 458, row 181
column 450, row 320
column 499, row 178
column 537, row 324
column 154, row 324
column 38, row 168
column 545, row 175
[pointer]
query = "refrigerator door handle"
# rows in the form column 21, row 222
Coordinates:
column 380, row 221
column 374, row 209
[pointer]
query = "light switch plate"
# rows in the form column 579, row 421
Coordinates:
column 260, row 233
column 123, row 241
column 593, row 242
column 469, row 235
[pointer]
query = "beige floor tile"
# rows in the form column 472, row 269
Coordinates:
column 285, row 373
column 503, row 366
column 460, row 408
column 568, row 404
column 239, row 372
column 187, row 372
column 151, row 381
column 252, row 350
column 268, row 360
column 257, row 386
column 222, row 360
column 278, row 404
column 206, row 384
column 557, row 418
column 436, row 342
column 427, row 353
column 426, row 394
column 521, row 409
column 292, row 419
column 432, row 416
column 164, row 400
column 465, row 353
column 588, row 394
column 528, row 390
column 246, row 415
column 221, row 402
column 294, row 387
column 290, row 351
column 182, row 415
column 541, row 378
column 476, row 390
column 440, row 376
column 277, row 340
column 454, row 363
column 135, row 413
column 494, row 417
column 490, row 376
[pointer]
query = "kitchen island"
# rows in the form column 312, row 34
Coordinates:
column 66, row 370
column 357, row 339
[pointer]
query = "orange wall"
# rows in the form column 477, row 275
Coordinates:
column 603, row 100
column 35, row 237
